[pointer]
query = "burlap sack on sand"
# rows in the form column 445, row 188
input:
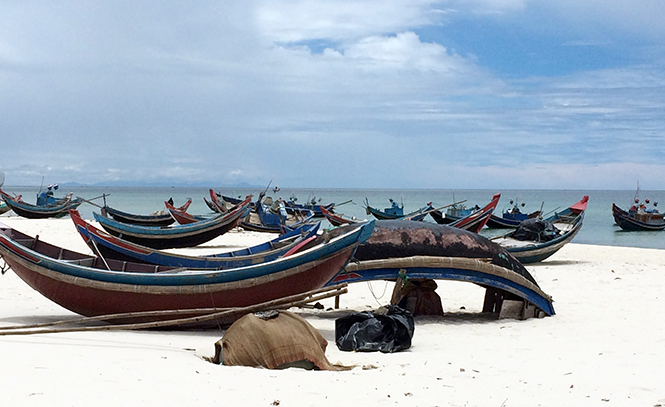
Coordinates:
column 285, row 340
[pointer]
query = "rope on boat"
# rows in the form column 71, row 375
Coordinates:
column 207, row 315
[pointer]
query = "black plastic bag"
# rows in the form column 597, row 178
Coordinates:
column 389, row 329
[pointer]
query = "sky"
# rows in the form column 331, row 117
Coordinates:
column 476, row 94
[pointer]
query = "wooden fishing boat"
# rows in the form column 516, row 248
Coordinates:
column 511, row 218
column 109, row 246
column 639, row 217
column 475, row 221
column 217, row 197
column 51, row 208
column 537, row 239
column 221, row 204
column 272, row 217
column 635, row 219
column 216, row 203
column 170, row 237
column 454, row 212
column 219, row 201
column 92, row 286
column 338, row 219
column 312, row 206
column 182, row 216
column 210, row 205
column 252, row 222
column 396, row 211
column 158, row 218
column 404, row 249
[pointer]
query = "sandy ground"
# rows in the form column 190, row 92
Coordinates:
column 603, row 347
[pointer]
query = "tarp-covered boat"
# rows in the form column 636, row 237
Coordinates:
column 427, row 250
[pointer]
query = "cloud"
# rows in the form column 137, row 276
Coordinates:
column 340, row 21
column 405, row 51
column 260, row 90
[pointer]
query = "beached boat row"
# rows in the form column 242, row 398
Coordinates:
column 129, row 271
column 266, row 215
column 123, row 277
column 131, row 276
column 193, row 230
column 270, row 215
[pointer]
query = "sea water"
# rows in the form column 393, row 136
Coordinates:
column 599, row 227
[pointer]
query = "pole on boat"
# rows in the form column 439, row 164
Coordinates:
column 433, row 210
column 449, row 205
column 339, row 204
column 41, row 185
column 444, row 207
column 97, row 197
column 262, row 194
column 99, row 253
column 552, row 211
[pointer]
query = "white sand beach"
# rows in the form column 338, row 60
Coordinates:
column 604, row 346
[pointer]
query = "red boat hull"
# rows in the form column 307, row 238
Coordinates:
column 93, row 298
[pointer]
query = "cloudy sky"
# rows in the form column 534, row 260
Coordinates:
column 493, row 94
